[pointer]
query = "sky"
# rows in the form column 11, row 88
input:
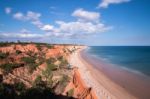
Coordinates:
column 89, row 22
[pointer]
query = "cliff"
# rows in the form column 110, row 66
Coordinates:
column 41, row 67
column 81, row 91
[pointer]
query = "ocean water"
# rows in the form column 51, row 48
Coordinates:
column 134, row 58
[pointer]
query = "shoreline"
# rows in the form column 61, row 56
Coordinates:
column 103, row 87
column 110, row 81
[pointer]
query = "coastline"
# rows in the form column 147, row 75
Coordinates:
column 133, row 83
column 122, row 84
column 104, row 82
column 103, row 87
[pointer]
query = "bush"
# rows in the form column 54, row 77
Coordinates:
column 3, row 55
column 50, row 63
column 49, row 46
column 70, row 93
column 30, row 61
column 63, row 61
column 38, row 82
column 3, row 44
column 19, row 86
column 50, row 60
column 9, row 66
column 65, row 79
column 18, row 52
column 32, row 67
column 51, row 66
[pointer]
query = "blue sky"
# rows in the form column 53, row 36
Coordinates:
column 90, row 22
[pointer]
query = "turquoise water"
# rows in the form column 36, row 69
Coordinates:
column 135, row 58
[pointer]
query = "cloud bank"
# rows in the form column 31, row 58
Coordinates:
column 86, row 23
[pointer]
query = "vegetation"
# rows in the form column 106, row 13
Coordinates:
column 30, row 61
column 70, row 93
column 50, row 60
column 9, row 92
column 50, row 64
column 41, row 60
column 18, row 52
column 47, row 73
column 8, row 67
column 38, row 80
column 3, row 55
column 65, row 79
column 3, row 44
column 38, row 83
column 63, row 61
column 43, row 86
column 20, row 87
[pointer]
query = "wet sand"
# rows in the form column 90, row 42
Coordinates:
column 108, row 81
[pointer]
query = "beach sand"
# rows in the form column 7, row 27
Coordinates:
column 104, row 87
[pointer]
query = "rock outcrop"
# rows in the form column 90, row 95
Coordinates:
column 81, row 91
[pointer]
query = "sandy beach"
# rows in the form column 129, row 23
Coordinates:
column 102, row 84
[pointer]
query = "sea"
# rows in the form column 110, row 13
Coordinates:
column 133, row 58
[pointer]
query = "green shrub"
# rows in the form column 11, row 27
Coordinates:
column 41, row 60
column 18, row 52
column 4, row 44
column 49, row 46
column 70, row 93
column 51, row 67
column 28, row 60
column 48, row 75
column 50, row 60
column 19, row 86
column 9, row 66
column 3, row 55
column 63, row 61
column 38, row 81
column 64, row 80
column 32, row 67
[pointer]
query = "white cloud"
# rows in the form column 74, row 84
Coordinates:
column 78, row 27
column 29, row 16
column 19, row 16
column 106, row 3
column 33, row 15
column 86, row 15
column 87, row 23
column 22, row 34
column 47, row 27
column 8, row 10
column 37, row 23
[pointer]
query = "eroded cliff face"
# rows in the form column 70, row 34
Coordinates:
column 80, row 90
column 49, row 66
